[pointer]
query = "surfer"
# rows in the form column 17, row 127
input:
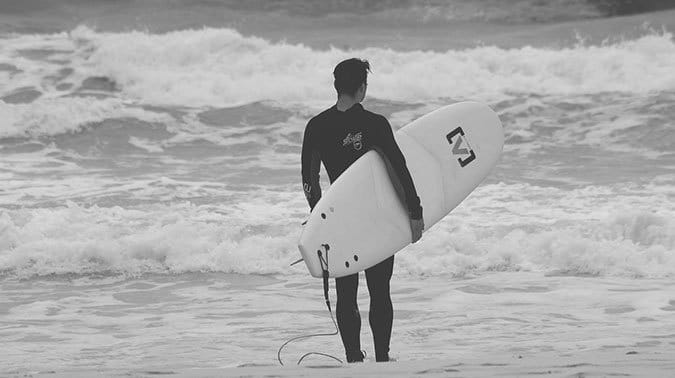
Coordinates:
column 337, row 137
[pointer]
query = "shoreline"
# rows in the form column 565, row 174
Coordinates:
column 628, row 362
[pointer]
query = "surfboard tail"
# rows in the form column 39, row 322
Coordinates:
column 312, row 262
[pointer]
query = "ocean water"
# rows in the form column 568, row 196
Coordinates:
column 150, row 196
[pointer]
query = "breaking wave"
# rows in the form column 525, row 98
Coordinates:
column 261, row 239
column 219, row 67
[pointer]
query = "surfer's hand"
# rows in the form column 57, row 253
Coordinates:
column 416, row 226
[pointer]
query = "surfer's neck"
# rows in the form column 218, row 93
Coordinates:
column 345, row 103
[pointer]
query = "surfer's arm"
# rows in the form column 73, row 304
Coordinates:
column 386, row 146
column 311, row 164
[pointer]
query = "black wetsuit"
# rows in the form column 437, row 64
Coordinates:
column 338, row 139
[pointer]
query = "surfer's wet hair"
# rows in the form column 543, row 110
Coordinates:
column 350, row 74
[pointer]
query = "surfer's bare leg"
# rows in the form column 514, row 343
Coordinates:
column 348, row 317
column 381, row 314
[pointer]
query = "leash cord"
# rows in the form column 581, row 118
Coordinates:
column 324, row 267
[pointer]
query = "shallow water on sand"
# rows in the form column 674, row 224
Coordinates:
column 223, row 320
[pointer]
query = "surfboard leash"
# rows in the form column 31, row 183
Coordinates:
column 323, row 260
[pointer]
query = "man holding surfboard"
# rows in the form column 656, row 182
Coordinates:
column 337, row 137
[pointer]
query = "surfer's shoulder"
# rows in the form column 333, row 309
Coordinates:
column 377, row 119
column 321, row 118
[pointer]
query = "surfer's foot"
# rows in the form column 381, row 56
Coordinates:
column 355, row 357
column 385, row 358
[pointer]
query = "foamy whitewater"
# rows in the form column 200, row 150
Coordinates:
column 150, row 200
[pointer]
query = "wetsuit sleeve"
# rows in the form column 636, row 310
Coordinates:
column 311, row 164
column 385, row 144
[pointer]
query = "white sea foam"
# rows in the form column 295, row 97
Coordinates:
column 220, row 66
column 637, row 244
column 75, row 239
column 216, row 66
column 146, row 145
column 497, row 228
column 609, row 122
column 52, row 116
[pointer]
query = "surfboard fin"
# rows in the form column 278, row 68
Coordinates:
column 293, row 263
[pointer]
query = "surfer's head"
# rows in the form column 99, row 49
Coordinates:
column 351, row 78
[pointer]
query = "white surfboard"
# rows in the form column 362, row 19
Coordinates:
column 360, row 220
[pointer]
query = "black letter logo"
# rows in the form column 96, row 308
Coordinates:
column 457, row 148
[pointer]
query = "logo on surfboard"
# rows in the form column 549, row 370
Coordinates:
column 460, row 146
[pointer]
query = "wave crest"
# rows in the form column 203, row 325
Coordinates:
column 220, row 67
column 216, row 66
